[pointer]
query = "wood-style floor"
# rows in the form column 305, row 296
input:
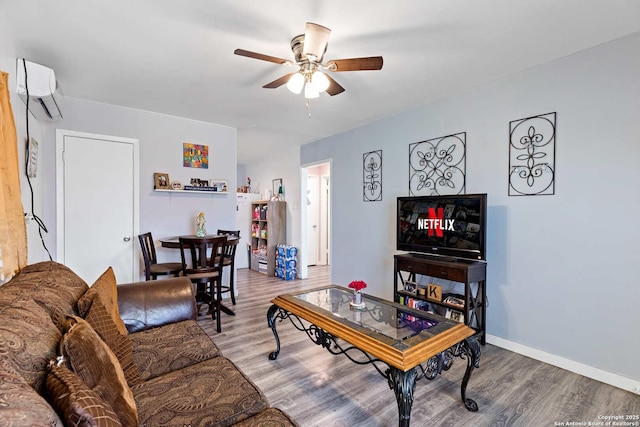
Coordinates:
column 319, row 389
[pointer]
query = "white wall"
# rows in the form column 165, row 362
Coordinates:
column 562, row 269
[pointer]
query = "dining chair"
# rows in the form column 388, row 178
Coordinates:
column 230, row 260
column 153, row 269
column 201, row 265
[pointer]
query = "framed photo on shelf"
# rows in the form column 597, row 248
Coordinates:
column 161, row 181
column 454, row 315
column 410, row 286
column 197, row 182
column 219, row 185
column 455, row 300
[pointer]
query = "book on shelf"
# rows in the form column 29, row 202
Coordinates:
column 198, row 188
column 414, row 303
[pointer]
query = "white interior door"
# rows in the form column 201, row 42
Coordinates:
column 324, row 257
column 313, row 219
column 97, row 186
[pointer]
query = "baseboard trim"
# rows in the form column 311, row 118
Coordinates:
column 615, row 380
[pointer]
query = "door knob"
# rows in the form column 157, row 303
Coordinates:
column 126, row 238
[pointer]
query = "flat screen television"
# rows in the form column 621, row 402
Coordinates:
column 449, row 225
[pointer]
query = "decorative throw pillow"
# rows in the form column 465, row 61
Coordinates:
column 121, row 345
column 105, row 290
column 76, row 403
column 97, row 366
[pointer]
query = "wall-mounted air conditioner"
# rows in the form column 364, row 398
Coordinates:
column 44, row 94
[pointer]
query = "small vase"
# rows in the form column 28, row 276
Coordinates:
column 356, row 301
column 357, row 298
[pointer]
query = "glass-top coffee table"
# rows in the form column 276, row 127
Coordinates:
column 403, row 344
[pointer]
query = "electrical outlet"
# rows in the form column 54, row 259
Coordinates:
column 28, row 217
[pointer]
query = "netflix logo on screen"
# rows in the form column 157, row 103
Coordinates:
column 435, row 223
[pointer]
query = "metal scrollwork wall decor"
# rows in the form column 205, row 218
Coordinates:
column 438, row 166
column 372, row 176
column 532, row 145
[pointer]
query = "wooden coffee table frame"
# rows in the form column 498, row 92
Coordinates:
column 424, row 355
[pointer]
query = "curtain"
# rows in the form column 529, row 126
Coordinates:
column 13, row 231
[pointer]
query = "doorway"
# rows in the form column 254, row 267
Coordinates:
column 318, row 211
column 97, row 204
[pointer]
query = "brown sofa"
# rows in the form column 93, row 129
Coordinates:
column 66, row 358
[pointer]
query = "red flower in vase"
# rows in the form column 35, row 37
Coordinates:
column 358, row 285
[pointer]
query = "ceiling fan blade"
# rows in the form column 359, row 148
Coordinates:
column 261, row 56
column 315, row 40
column 356, row 64
column 278, row 82
column 334, row 88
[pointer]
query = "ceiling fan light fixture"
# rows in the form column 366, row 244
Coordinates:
column 319, row 81
column 295, row 83
column 310, row 91
column 313, row 75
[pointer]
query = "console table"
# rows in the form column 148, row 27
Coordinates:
column 468, row 272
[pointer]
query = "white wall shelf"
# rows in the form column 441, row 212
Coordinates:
column 193, row 191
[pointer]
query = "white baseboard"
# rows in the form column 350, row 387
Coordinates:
column 615, row 380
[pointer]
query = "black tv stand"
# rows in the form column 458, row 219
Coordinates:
column 442, row 257
column 466, row 271
column 425, row 256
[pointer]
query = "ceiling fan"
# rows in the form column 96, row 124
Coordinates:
column 308, row 50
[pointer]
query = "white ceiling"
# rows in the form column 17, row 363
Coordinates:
column 176, row 57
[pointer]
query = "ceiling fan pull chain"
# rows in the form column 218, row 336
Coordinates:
column 308, row 105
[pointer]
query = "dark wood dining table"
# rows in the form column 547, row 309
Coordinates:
column 173, row 242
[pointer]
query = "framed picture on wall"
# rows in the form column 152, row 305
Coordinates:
column 195, row 155
column 161, row 181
